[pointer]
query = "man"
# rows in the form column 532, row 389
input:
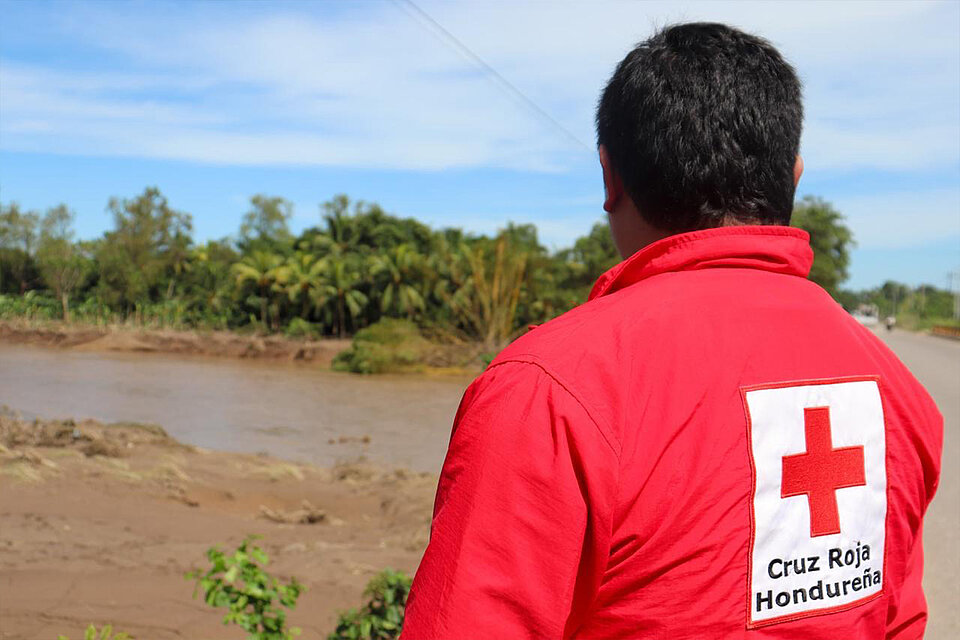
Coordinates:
column 710, row 447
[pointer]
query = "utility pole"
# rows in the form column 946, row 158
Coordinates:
column 953, row 285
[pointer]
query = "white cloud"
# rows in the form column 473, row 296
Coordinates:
column 376, row 88
column 61, row 99
column 830, row 147
column 903, row 219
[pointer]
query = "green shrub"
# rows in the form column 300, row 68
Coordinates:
column 255, row 599
column 381, row 618
column 300, row 328
column 104, row 634
column 385, row 346
column 31, row 305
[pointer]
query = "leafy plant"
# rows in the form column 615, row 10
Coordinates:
column 300, row 328
column 255, row 599
column 489, row 283
column 385, row 346
column 104, row 634
column 381, row 618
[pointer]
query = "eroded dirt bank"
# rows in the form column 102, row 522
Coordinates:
column 98, row 523
column 213, row 343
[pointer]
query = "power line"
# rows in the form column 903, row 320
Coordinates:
column 445, row 36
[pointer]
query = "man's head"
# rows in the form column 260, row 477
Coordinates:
column 699, row 127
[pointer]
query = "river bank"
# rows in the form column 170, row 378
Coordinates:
column 383, row 348
column 100, row 522
column 121, row 338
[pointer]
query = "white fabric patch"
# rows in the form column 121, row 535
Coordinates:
column 820, row 497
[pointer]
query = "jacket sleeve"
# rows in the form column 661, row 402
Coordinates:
column 523, row 514
column 909, row 620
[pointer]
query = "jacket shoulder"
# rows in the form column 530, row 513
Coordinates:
column 554, row 342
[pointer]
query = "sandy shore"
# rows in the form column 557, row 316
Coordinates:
column 100, row 522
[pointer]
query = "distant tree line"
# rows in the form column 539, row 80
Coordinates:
column 359, row 264
column 913, row 307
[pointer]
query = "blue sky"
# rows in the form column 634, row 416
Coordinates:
column 216, row 101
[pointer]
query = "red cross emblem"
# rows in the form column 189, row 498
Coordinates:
column 820, row 471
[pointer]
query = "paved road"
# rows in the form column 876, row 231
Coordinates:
column 936, row 363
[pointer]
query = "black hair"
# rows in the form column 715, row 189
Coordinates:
column 702, row 123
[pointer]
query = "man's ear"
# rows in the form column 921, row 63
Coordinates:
column 797, row 171
column 612, row 184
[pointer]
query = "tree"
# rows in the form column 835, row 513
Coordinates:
column 263, row 269
column 63, row 266
column 545, row 288
column 830, row 238
column 141, row 255
column 301, row 274
column 359, row 264
column 894, row 294
column 265, row 225
column 339, row 291
column 18, row 236
column 594, row 253
column 339, row 223
column 209, row 285
column 484, row 290
column 523, row 238
column 400, row 270
column 370, row 228
column 570, row 273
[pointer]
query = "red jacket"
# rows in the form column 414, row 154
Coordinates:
column 710, row 447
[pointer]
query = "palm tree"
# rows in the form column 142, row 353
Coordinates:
column 484, row 288
column 401, row 268
column 340, row 224
column 262, row 269
column 339, row 288
column 301, row 274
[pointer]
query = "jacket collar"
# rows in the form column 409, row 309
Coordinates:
column 768, row 248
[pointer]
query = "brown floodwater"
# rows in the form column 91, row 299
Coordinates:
column 290, row 410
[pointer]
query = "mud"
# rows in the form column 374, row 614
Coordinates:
column 100, row 523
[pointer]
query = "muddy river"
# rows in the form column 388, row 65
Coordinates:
column 289, row 410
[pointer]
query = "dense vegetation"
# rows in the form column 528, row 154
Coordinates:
column 358, row 265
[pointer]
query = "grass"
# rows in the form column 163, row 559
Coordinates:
column 120, row 469
column 914, row 322
column 170, row 470
column 279, row 471
column 152, row 429
column 22, row 470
